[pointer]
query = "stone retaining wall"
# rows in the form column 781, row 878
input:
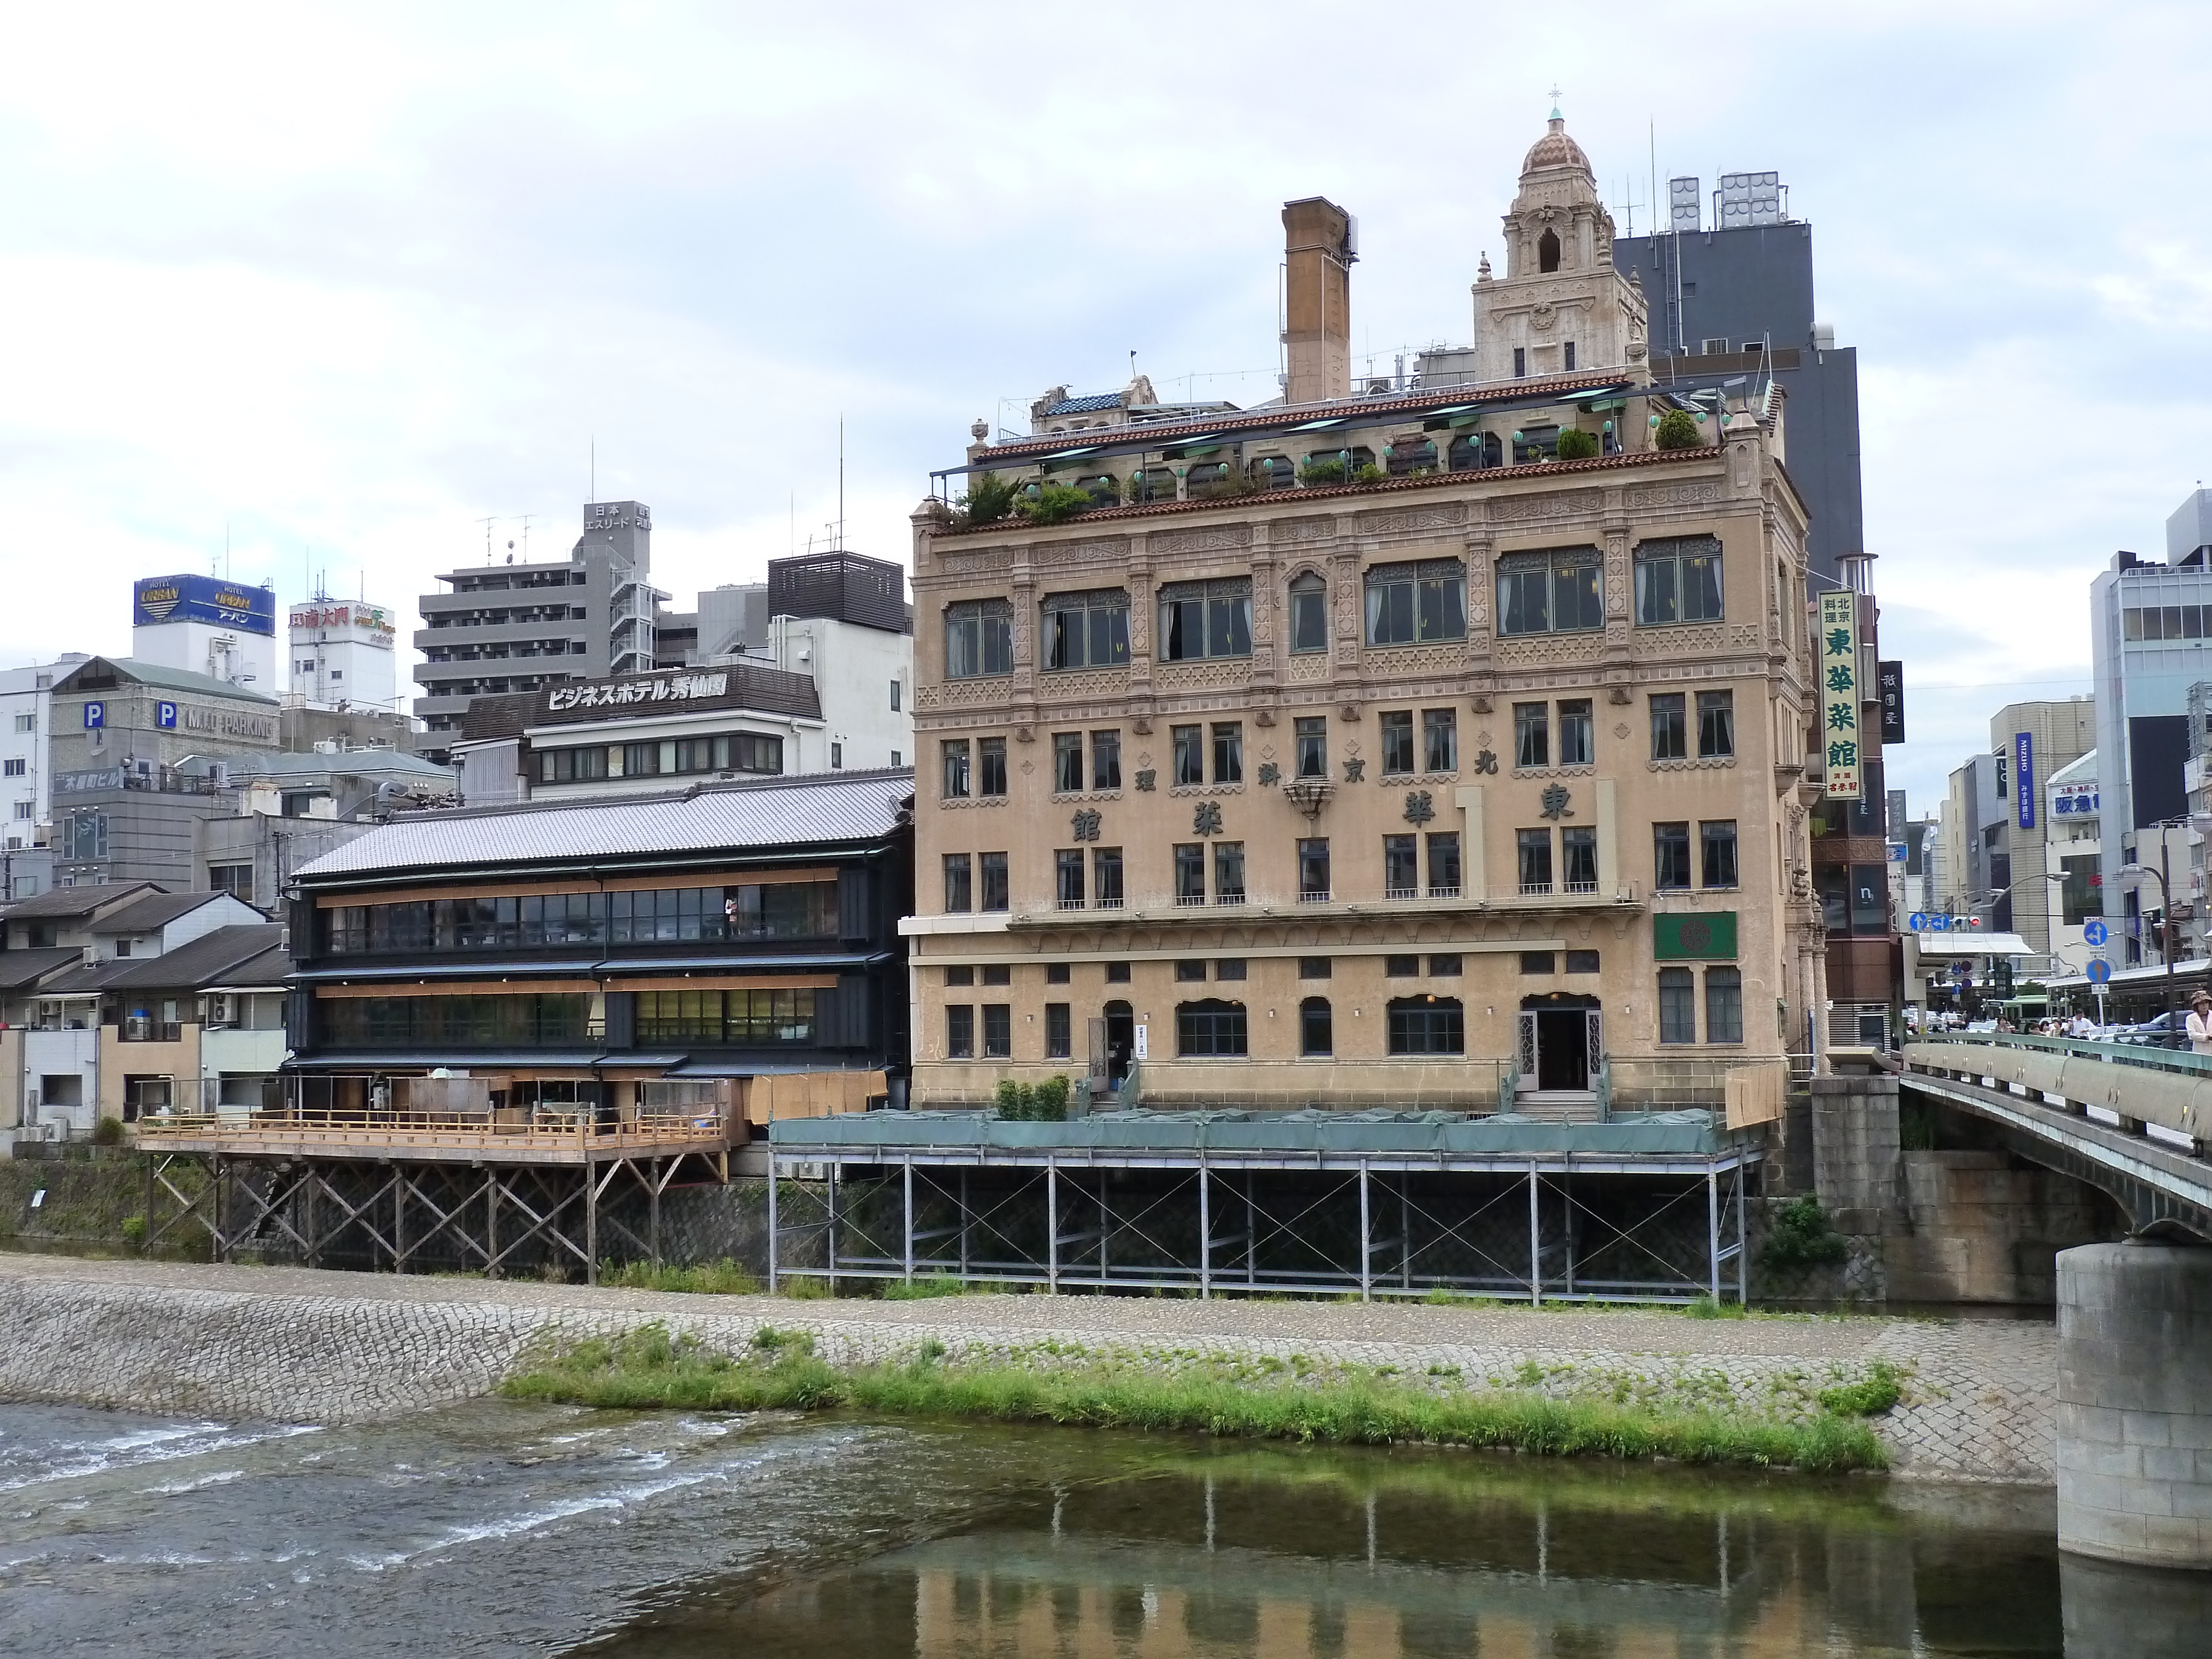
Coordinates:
column 292, row 1345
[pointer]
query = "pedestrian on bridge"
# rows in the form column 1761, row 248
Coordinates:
column 2199, row 1023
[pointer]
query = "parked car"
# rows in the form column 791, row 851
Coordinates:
column 2160, row 1031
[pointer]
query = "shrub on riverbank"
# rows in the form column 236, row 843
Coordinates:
column 651, row 1369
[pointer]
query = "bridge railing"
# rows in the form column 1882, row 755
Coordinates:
column 2171, row 1088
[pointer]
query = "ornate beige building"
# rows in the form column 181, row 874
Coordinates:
column 1476, row 778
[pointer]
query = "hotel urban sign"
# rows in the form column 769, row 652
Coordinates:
column 1839, row 694
column 619, row 694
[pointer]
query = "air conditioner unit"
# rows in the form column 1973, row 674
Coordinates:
column 218, row 1011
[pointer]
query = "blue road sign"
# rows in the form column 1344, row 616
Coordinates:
column 2096, row 932
column 2100, row 971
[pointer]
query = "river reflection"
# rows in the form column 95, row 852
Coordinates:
column 1310, row 1555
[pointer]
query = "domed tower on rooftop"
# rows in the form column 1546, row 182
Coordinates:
column 1560, row 307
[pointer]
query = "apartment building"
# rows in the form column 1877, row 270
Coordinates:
column 1351, row 742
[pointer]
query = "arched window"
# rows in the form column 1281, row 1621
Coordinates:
column 1154, row 483
column 1310, row 613
column 1427, row 1025
column 1470, row 452
column 1547, row 251
column 1207, row 479
column 1410, row 455
column 1316, row 1027
column 1209, row 1030
column 1102, row 487
column 1274, row 472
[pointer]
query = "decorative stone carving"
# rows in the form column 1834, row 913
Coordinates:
column 1674, row 494
column 1214, row 539
column 1440, row 516
column 1301, row 530
column 1550, row 504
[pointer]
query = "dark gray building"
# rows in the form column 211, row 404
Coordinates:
column 1734, row 304
column 506, row 628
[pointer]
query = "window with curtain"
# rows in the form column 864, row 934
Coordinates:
column 1087, row 630
column 1308, row 613
column 1678, row 580
column 1678, row 1005
column 1439, row 740
column 1416, row 603
column 1577, row 745
column 1670, row 855
column 1724, row 1005
column 1555, row 591
column 1533, row 848
column 979, row 638
column 1206, row 619
column 1396, row 727
column 1188, row 743
column 956, row 769
column 1668, row 740
column 1717, row 854
column 1532, row 734
column 1716, row 725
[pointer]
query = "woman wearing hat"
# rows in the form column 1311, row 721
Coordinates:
column 2199, row 1023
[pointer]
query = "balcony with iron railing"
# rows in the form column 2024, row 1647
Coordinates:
column 1169, row 906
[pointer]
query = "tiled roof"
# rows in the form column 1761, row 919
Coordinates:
column 22, row 968
column 63, row 904
column 211, row 959
column 162, row 678
column 815, row 810
column 1330, row 492
column 261, row 764
column 1084, row 405
column 154, row 910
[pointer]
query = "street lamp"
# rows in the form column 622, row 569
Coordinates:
column 2136, row 872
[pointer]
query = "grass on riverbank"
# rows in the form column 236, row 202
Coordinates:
column 650, row 1369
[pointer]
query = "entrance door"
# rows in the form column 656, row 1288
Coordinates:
column 1121, row 1038
column 1563, row 1049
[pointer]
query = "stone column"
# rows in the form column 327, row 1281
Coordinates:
column 2135, row 1403
column 1855, row 1151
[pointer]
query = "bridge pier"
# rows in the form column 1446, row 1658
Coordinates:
column 2135, row 1403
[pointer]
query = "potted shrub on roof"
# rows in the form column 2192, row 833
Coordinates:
column 1678, row 429
column 1576, row 445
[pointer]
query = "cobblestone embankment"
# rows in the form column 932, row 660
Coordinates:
column 298, row 1345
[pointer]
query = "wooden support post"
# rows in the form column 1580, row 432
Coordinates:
column 1405, row 1230
column 652, row 1223
column 829, row 1230
column 1251, row 1236
column 1105, row 1225
column 1742, row 1241
column 146, row 1214
column 491, row 1221
column 398, row 1220
column 963, row 1224
column 1535, row 1243
column 1367, row 1238
column 591, row 1222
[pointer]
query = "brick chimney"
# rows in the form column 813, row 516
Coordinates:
column 1320, row 242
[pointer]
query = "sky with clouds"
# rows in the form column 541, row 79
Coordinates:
column 332, row 286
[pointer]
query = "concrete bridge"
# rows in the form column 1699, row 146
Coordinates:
column 2134, row 1319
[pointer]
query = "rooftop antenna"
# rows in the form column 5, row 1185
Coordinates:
column 839, row 543
column 595, row 467
column 525, row 537
column 488, row 524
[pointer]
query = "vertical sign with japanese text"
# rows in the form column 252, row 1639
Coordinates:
column 1839, row 693
column 2023, row 777
column 1889, row 681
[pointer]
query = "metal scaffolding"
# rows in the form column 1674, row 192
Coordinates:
column 1566, row 1227
column 400, row 1215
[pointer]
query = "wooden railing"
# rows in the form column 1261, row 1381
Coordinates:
column 506, row 1131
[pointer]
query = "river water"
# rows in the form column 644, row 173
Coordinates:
column 501, row 1528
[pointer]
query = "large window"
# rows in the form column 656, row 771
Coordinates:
column 1310, row 613
column 1087, row 630
column 1067, row 878
column 1533, row 848
column 1059, row 1031
column 1313, row 870
column 525, row 1021
column 755, row 910
column 734, row 751
column 956, row 769
column 1188, row 743
column 1715, row 724
column 1670, row 855
column 1668, row 740
column 2083, row 897
column 1678, row 1005
column 1190, row 872
column 1427, row 1025
column 1206, row 619
column 1105, row 760
column 1228, row 872
column 1717, row 846
column 1577, row 743
column 1311, row 735
column 1402, row 874
column 1397, row 732
column 979, row 638
column 1724, row 1005
column 1316, row 1027
column 1066, row 763
column 1439, row 740
column 1229, row 751
column 990, row 753
column 992, row 868
column 997, row 1031
column 738, row 1017
column 1209, row 1030
column 1106, row 876
column 1443, row 864
column 959, row 883
column 1678, row 582
column 1557, row 591
column 1412, row 603
column 1578, row 843
column 960, row 1030
column 1532, row 734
